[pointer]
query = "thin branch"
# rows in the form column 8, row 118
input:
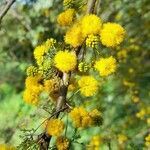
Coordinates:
column 90, row 6
column 55, row 113
column 6, row 8
column 98, row 6
column 63, row 91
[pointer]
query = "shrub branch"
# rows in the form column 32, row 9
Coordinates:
column 44, row 139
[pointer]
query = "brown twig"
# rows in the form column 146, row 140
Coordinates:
column 44, row 138
column 90, row 6
column 6, row 8
column 55, row 113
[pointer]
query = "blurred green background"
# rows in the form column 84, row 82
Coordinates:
column 30, row 22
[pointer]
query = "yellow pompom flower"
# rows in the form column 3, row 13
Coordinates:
column 91, row 24
column 62, row 143
column 42, row 50
column 32, row 81
column 55, row 127
column 65, row 61
column 74, row 36
column 147, row 140
column 51, row 85
column 106, row 66
column 66, row 17
column 148, row 121
column 3, row 147
column 122, row 138
column 141, row 114
column 39, row 53
column 92, row 40
column 88, row 85
column 33, row 89
column 80, row 117
column 95, row 143
column 112, row 34
column 6, row 147
column 31, row 95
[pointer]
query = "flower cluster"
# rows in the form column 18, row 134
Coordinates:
column 33, row 89
column 55, row 127
column 55, row 60
column 74, row 36
column 35, row 84
column 141, row 113
column 122, row 138
column 112, row 34
column 106, row 66
column 147, row 140
column 51, row 85
column 82, row 118
column 41, row 50
column 39, row 53
column 62, row 143
column 95, row 143
column 66, row 18
column 90, row 27
column 91, row 24
column 6, row 147
column 88, row 85
column 65, row 61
